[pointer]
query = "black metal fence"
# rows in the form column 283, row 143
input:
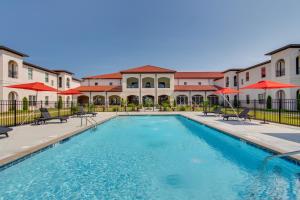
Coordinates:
column 13, row 113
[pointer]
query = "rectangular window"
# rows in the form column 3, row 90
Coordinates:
column 263, row 72
column 261, row 98
column 242, row 81
column 247, row 76
column 52, row 82
column 46, row 100
column 227, row 82
column 46, row 77
column 297, row 65
column 30, row 71
column 59, row 82
column 235, row 81
column 32, row 100
column 248, row 99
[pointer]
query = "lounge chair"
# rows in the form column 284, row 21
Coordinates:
column 243, row 115
column 81, row 112
column 4, row 130
column 216, row 111
column 45, row 116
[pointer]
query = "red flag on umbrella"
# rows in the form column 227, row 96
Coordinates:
column 35, row 86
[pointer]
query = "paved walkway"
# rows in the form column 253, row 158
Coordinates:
column 29, row 138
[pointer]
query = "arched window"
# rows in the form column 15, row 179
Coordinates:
column 12, row 69
column 68, row 83
column 280, row 68
column 99, row 100
column 12, row 96
column 182, row 100
column 235, row 80
column 280, row 94
column 197, row 99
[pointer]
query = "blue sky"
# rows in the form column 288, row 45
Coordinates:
column 96, row 36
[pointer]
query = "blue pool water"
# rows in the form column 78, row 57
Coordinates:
column 151, row 157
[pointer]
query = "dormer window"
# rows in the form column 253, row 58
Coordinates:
column 12, row 69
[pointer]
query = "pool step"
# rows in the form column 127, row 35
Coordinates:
column 283, row 155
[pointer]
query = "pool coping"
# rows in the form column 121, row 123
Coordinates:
column 22, row 155
column 261, row 145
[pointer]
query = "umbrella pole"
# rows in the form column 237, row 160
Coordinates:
column 265, row 106
column 231, row 107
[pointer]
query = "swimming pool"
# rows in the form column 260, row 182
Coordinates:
column 151, row 157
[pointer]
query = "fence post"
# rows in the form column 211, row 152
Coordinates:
column 15, row 112
column 279, row 110
column 255, row 108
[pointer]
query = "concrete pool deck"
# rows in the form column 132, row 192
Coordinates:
column 26, row 139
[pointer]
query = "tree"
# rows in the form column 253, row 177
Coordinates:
column 59, row 103
column 25, row 104
column 298, row 101
column 269, row 102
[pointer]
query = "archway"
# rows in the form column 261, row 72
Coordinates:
column 133, row 99
column 182, row 100
column 280, row 96
column 163, row 99
column 148, row 82
column 163, row 82
column 197, row 99
column 83, row 99
column 132, row 82
column 148, row 100
column 99, row 100
column 213, row 99
column 114, row 100
column 12, row 96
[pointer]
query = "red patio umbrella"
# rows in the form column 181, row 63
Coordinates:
column 70, row 92
column 268, row 85
column 35, row 86
column 224, row 91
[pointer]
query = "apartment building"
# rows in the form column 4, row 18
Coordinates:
column 15, row 70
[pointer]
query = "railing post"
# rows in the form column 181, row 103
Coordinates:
column 15, row 112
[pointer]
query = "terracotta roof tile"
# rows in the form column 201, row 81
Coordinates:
column 148, row 69
column 106, row 76
column 196, row 75
column 196, row 87
column 99, row 88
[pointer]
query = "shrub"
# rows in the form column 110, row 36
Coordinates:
column 115, row 108
column 182, row 108
column 25, row 104
column 269, row 102
column 298, row 101
column 59, row 103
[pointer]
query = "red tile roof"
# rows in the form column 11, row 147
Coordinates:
column 196, row 75
column 99, row 88
column 196, row 87
column 106, row 76
column 148, row 69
